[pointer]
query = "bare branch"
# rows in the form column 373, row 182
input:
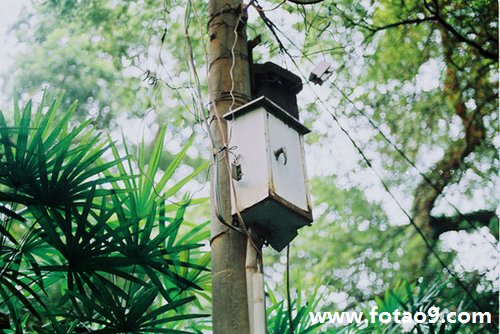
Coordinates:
column 402, row 23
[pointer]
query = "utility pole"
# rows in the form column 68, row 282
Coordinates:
column 229, row 87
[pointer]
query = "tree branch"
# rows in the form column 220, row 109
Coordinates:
column 485, row 53
column 443, row 172
column 401, row 23
column 436, row 14
column 375, row 29
column 442, row 224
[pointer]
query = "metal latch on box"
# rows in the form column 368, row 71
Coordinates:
column 236, row 172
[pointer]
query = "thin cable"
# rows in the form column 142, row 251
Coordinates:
column 231, row 75
column 191, row 63
column 218, row 201
column 152, row 79
column 410, row 218
column 406, row 158
column 395, row 146
column 270, row 9
column 216, row 152
column 288, row 294
column 225, row 148
column 233, row 63
column 426, row 178
column 233, row 101
column 419, row 231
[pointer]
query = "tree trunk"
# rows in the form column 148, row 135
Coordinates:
column 446, row 170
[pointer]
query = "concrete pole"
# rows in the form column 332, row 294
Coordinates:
column 229, row 87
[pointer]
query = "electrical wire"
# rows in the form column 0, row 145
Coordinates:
column 372, row 123
column 260, row 9
column 400, row 206
column 152, row 79
column 406, row 158
column 233, row 63
column 216, row 152
column 218, row 201
column 225, row 146
column 387, row 189
column 224, row 149
column 233, row 101
column 385, row 137
column 201, row 112
column 191, row 63
column 410, row 218
column 288, row 293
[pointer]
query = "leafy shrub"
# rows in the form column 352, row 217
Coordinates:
column 88, row 241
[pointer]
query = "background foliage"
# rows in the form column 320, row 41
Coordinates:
column 87, row 246
column 414, row 86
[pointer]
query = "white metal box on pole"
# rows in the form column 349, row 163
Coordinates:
column 272, row 193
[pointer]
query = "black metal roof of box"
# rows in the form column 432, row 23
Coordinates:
column 277, row 84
